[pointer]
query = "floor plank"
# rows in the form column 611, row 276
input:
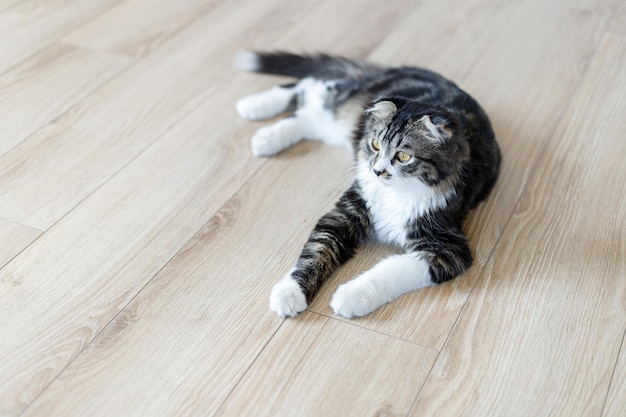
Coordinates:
column 382, row 381
column 615, row 405
column 122, row 308
column 465, row 31
column 370, row 23
column 13, row 239
column 33, row 25
column 5, row 4
column 47, row 175
column 140, row 26
column 76, row 278
column 552, row 295
column 213, row 295
column 183, row 169
column 618, row 24
column 510, row 81
column 45, row 86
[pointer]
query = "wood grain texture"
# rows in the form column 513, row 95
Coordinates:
column 369, row 24
column 615, row 405
column 304, row 356
column 82, row 150
column 30, row 26
column 47, row 85
column 135, row 36
column 13, row 239
column 464, row 34
column 523, row 111
column 150, row 209
column 554, row 294
column 214, row 299
column 618, row 19
column 75, row 279
column 145, row 290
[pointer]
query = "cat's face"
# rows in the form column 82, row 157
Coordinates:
column 408, row 141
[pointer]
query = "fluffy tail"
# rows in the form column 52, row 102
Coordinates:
column 300, row 66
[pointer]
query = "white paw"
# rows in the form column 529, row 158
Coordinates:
column 270, row 140
column 252, row 108
column 287, row 298
column 355, row 298
column 265, row 105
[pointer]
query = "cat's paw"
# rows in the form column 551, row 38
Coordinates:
column 254, row 108
column 265, row 105
column 287, row 298
column 355, row 298
column 269, row 140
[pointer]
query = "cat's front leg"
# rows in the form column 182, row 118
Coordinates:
column 437, row 254
column 331, row 243
column 388, row 280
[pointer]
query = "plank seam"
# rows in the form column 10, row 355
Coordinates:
column 608, row 390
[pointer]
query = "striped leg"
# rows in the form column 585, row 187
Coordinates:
column 332, row 242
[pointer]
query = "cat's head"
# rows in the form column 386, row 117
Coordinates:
column 406, row 140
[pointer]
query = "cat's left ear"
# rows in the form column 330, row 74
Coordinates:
column 438, row 128
column 382, row 110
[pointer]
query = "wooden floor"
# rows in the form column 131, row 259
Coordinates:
column 139, row 238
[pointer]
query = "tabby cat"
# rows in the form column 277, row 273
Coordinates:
column 425, row 155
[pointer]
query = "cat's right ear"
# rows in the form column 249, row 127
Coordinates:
column 383, row 110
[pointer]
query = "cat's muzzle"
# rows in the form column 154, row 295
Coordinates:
column 384, row 174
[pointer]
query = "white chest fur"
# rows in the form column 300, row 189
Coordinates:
column 395, row 203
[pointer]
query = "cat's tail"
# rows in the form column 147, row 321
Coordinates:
column 320, row 66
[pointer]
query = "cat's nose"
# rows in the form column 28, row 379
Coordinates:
column 380, row 168
column 379, row 173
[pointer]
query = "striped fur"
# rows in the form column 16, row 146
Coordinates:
column 425, row 155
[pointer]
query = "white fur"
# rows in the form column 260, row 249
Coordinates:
column 317, row 122
column 388, row 280
column 393, row 203
column 393, row 206
column 287, row 298
column 269, row 140
column 311, row 121
column 265, row 105
column 247, row 61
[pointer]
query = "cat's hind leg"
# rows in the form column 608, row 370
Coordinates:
column 272, row 139
column 268, row 104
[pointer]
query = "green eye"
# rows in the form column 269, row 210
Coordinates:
column 403, row 156
column 375, row 144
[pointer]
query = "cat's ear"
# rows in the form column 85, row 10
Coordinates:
column 382, row 110
column 437, row 128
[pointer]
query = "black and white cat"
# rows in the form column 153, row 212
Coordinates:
column 425, row 155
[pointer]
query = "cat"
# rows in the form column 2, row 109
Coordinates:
column 425, row 155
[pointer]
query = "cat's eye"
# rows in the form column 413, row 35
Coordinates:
column 375, row 144
column 403, row 156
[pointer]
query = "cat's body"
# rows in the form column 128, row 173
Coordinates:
column 425, row 156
